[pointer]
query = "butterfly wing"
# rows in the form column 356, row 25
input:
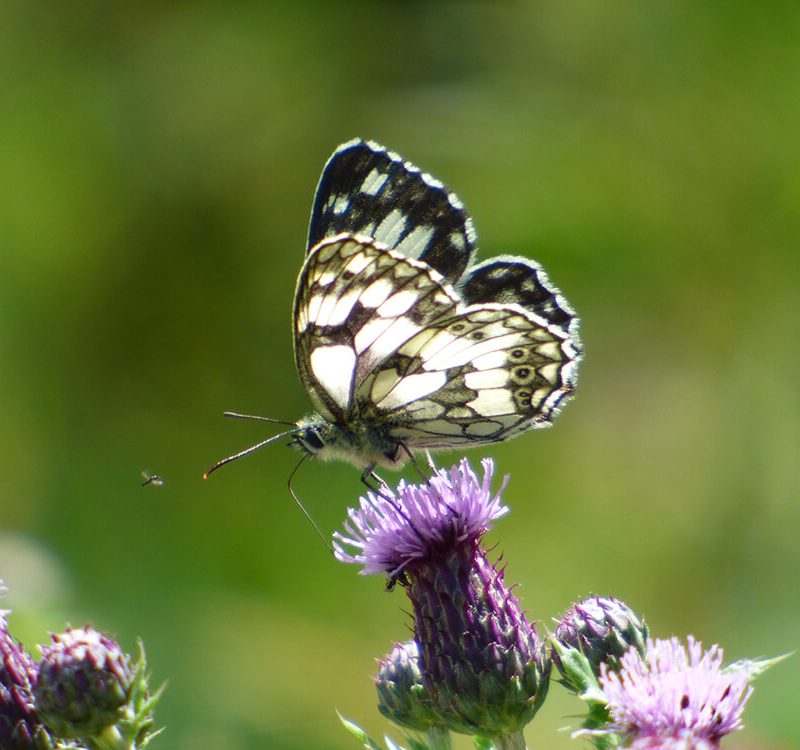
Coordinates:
column 483, row 374
column 515, row 280
column 366, row 189
column 356, row 304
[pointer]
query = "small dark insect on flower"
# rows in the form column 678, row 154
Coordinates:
column 153, row 479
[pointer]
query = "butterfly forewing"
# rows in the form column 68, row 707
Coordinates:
column 356, row 304
column 366, row 189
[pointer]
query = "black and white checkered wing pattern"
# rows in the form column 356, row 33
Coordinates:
column 356, row 304
column 483, row 374
column 512, row 280
column 367, row 190
column 385, row 340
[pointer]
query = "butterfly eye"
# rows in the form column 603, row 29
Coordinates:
column 312, row 440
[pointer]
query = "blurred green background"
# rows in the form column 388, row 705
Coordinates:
column 157, row 166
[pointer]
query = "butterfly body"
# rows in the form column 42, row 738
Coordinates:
column 365, row 446
column 402, row 341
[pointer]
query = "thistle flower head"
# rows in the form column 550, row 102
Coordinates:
column 392, row 531
column 84, row 679
column 675, row 697
column 480, row 659
column 20, row 728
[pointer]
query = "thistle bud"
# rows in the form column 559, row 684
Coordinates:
column 20, row 727
column 602, row 629
column 84, row 681
column 402, row 695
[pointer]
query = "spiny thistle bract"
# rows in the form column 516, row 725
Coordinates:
column 84, row 679
column 602, row 629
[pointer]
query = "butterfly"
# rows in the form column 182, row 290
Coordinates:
column 402, row 340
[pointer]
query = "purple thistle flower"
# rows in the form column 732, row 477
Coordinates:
column 674, row 697
column 20, row 728
column 480, row 659
column 392, row 531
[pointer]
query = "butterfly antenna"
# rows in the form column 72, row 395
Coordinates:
column 248, row 451
column 236, row 415
column 303, row 508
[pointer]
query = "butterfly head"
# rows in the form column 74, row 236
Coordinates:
column 357, row 443
column 310, row 434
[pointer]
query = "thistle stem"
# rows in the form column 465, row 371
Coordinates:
column 514, row 741
column 439, row 738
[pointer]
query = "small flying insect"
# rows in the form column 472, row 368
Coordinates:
column 153, row 479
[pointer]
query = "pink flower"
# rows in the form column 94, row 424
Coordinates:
column 675, row 697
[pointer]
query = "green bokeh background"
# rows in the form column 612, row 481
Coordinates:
column 157, row 166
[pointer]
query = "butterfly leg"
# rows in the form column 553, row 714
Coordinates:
column 424, row 474
column 371, row 480
column 303, row 508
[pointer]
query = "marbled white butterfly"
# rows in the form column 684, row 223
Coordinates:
column 402, row 341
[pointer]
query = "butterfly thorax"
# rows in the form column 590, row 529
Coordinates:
column 360, row 444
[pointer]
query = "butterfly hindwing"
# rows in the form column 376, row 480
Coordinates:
column 366, row 189
column 514, row 280
column 481, row 375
